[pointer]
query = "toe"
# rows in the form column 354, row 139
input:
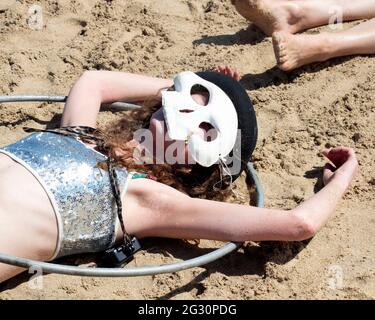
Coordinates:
column 287, row 65
column 278, row 43
column 282, row 53
column 277, row 37
column 282, row 59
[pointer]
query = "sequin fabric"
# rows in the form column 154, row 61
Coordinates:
column 81, row 190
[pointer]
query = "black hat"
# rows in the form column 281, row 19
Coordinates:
column 247, row 123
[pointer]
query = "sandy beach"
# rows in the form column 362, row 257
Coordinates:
column 299, row 114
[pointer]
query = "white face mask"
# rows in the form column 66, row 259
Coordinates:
column 220, row 113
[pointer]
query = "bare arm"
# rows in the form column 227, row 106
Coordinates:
column 94, row 88
column 165, row 212
column 337, row 179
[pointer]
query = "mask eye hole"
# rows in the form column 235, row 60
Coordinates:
column 207, row 131
column 200, row 94
column 186, row 111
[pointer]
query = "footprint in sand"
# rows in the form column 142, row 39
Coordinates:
column 64, row 29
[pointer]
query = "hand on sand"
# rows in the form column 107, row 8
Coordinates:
column 343, row 166
column 229, row 72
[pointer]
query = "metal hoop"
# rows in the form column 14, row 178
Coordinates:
column 125, row 272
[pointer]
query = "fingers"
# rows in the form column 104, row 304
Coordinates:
column 329, row 167
column 220, row 69
column 343, row 159
column 328, row 171
column 339, row 155
column 228, row 71
column 339, row 150
column 325, row 152
column 237, row 76
column 343, row 166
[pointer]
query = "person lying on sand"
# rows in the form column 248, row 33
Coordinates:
column 281, row 19
column 78, row 189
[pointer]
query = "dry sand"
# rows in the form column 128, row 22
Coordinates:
column 299, row 113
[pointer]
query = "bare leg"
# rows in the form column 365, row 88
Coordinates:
column 293, row 16
column 293, row 51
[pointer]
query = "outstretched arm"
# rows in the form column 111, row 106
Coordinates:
column 94, row 88
column 168, row 213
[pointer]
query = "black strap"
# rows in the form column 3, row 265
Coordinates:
column 116, row 192
column 90, row 135
column 86, row 134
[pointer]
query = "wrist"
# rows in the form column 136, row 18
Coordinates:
column 340, row 181
column 164, row 84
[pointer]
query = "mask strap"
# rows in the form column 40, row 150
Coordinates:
column 224, row 171
column 224, row 168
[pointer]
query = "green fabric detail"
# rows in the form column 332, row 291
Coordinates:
column 139, row 175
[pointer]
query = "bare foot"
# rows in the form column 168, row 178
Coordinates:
column 272, row 15
column 293, row 51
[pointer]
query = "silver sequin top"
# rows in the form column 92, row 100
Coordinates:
column 79, row 191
